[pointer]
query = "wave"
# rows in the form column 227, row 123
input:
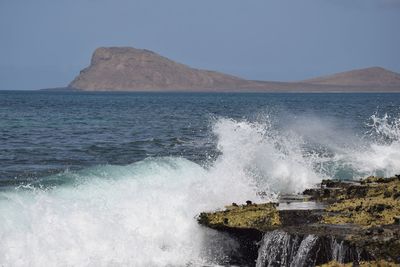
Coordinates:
column 140, row 215
column 143, row 214
column 376, row 152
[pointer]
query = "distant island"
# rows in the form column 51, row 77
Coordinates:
column 131, row 69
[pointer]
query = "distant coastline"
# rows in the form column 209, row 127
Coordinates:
column 60, row 89
column 74, row 90
column 126, row 69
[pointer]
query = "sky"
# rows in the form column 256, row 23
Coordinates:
column 45, row 43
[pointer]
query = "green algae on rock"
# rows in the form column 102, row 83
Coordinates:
column 376, row 201
column 363, row 211
column 261, row 217
column 380, row 263
column 363, row 216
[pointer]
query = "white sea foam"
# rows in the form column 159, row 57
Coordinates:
column 143, row 214
column 380, row 153
column 274, row 160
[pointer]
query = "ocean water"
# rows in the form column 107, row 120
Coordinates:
column 117, row 179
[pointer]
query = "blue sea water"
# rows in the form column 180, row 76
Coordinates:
column 47, row 132
column 99, row 179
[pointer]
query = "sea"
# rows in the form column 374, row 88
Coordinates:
column 117, row 179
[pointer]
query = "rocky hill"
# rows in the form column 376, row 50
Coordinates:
column 131, row 69
column 374, row 76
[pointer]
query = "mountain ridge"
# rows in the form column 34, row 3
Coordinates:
column 376, row 76
column 132, row 69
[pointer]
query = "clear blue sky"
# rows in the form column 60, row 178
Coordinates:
column 45, row 43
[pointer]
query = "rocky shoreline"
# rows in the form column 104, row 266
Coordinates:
column 335, row 223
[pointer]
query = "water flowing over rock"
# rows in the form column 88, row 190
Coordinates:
column 279, row 248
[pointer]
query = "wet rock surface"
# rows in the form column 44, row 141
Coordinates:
column 380, row 263
column 261, row 217
column 346, row 222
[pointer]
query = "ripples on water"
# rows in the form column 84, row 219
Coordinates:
column 44, row 133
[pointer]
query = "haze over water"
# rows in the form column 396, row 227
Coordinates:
column 117, row 178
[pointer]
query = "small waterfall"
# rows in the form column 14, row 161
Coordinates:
column 342, row 252
column 279, row 248
column 274, row 249
column 302, row 256
column 337, row 250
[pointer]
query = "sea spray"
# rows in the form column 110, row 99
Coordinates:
column 377, row 152
column 143, row 214
column 384, row 128
column 274, row 159
column 382, row 157
column 326, row 149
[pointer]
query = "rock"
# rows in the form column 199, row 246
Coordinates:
column 380, row 230
column 387, row 194
column 281, row 248
column 359, row 215
column 379, row 207
column 369, row 232
column 259, row 217
column 380, row 263
column 366, row 204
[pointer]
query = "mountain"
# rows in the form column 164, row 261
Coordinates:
column 131, row 69
column 374, row 76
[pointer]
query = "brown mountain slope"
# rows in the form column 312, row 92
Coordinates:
column 131, row 69
column 375, row 76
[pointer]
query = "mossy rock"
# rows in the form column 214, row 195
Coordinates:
column 365, row 213
column 381, row 263
column 261, row 217
column 375, row 179
column 378, row 204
